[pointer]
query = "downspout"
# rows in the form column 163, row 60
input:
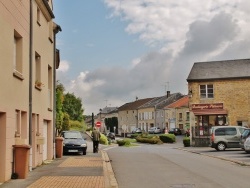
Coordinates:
column 56, row 30
column 30, row 83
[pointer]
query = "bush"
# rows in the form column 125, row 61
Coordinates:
column 186, row 141
column 167, row 138
column 135, row 135
column 75, row 125
column 125, row 142
column 104, row 140
column 148, row 139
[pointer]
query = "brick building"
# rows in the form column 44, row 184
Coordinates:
column 219, row 94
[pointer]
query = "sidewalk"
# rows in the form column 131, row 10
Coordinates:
column 77, row 171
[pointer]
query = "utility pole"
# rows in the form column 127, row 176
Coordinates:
column 92, row 121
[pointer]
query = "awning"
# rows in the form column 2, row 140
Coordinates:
column 210, row 112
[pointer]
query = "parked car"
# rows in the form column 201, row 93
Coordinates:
column 223, row 137
column 111, row 135
column 175, row 131
column 247, row 145
column 154, row 130
column 74, row 142
column 137, row 130
column 244, row 136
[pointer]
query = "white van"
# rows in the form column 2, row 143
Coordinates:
column 223, row 137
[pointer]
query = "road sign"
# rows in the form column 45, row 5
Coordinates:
column 98, row 124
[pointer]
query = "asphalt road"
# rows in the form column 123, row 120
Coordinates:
column 158, row 166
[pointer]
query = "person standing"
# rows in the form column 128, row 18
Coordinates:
column 96, row 135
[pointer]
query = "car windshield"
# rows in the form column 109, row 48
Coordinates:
column 72, row 135
column 246, row 132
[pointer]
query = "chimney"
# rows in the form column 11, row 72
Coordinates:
column 168, row 94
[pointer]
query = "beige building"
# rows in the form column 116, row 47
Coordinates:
column 128, row 115
column 177, row 114
column 27, row 44
column 219, row 94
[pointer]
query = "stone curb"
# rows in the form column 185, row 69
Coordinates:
column 109, row 176
column 221, row 158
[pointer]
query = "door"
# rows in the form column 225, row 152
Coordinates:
column 232, row 137
column 45, row 133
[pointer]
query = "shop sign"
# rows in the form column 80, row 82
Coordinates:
column 207, row 106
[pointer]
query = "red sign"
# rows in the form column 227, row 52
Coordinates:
column 207, row 106
column 98, row 124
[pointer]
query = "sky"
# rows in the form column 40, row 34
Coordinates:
column 113, row 51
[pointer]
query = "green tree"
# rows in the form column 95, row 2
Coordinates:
column 66, row 122
column 73, row 107
column 59, row 106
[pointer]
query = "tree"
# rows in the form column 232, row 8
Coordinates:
column 73, row 107
column 59, row 106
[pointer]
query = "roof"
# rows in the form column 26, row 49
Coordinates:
column 182, row 102
column 160, row 102
column 108, row 110
column 134, row 105
column 227, row 69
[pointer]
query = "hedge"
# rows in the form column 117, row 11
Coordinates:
column 167, row 138
column 186, row 141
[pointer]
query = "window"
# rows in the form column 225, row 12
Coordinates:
column 230, row 131
column 180, row 116
column 206, row 91
column 38, row 16
column 187, row 116
column 38, row 82
column 21, row 124
column 18, row 55
column 50, row 88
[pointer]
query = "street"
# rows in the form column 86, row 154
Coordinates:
column 166, row 166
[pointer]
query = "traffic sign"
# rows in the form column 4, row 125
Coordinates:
column 98, row 124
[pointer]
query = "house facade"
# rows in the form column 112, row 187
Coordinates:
column 28, row 60
column 160, row 120
column 219, row 94
column 177, row 114
column 128, row 115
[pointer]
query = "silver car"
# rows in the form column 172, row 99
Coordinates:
column 223, row 137
column 247, row 145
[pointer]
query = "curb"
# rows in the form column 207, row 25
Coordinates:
column 216, row 157
column 109, row 176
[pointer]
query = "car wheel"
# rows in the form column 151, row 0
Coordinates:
column 84, row 152
column 247, row 151
column 221, row 146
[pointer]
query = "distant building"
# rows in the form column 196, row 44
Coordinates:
column 128, row 115
column 177, row 114
column 219, row 94
column 151, row 114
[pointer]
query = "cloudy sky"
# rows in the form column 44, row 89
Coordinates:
column 113, row 51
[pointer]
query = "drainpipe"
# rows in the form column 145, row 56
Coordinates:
column 57, row 28
column 30, row 83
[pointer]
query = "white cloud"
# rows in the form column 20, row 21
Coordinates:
column 186, row 31
column 64, row 66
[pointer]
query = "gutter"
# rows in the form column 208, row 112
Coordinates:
column 30, row 83
column 56, row 29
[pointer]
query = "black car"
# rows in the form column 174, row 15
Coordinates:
column 111, row 135
column 74, row 142
column 175, row 131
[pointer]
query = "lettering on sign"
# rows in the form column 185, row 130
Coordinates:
column 207, row 106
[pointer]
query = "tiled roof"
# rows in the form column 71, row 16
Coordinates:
column 160, row 102
column 107, row 110
column 182, row 102
column 134, row 105
column 227, row 69
column 172, row 98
